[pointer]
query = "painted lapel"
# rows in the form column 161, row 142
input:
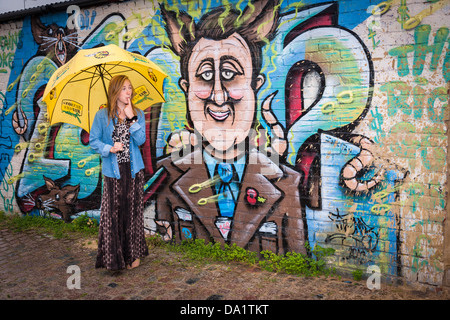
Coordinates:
column 258, row 176
column 197, row 173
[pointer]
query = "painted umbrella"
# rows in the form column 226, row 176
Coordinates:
column 78, row 89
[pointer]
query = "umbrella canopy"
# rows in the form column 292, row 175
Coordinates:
column 78, row 89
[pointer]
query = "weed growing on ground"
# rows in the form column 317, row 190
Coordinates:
column 198, row 249
column 57, row 228
column 195, row 250
column 86, row 224
column 297, row 263
column 291, row 263
column 357, row 274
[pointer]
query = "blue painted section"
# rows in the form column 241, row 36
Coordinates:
column 372, row 235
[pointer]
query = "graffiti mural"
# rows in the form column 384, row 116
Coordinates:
column 256, row 203
column 286, row 125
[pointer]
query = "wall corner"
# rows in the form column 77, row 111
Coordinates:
column 446, row 223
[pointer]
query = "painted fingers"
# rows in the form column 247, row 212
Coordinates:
column 180, row 140
column 167, row 235
column 278, row 142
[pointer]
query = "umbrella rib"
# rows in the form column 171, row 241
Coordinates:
column 130, row 68
column 104, row 71
column 87, row 71
column 119, row 72
column 156, row 89
column 78, row 80
column 92, row 73
column 99, row 72
column 113, row 66
column 89, row 99
column 95, row 82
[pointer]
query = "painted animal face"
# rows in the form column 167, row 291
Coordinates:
column 58, row 199
column 57, row 43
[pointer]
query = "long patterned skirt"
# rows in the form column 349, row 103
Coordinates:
column 121, row 238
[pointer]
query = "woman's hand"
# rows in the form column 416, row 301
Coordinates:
column 128, row 110
column 117, row 147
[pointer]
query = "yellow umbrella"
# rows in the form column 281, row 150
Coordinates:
column 78, row 89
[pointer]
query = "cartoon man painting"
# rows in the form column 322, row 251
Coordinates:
column 225, row 190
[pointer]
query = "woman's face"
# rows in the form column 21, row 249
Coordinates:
column 125, row 93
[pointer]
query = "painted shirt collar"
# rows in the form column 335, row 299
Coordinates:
column 239, row 164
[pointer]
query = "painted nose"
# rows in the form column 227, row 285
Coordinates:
column 39, row 202
column 219, row 94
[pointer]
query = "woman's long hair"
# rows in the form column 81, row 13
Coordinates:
column 115, row 86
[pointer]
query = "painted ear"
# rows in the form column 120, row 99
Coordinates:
column 37, row 29
column 260, row 20
column 180, row 28
column 49, row 183
column 72, row 193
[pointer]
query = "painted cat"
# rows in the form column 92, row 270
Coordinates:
column 58, row 200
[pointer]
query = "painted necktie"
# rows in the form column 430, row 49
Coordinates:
column 226, row 198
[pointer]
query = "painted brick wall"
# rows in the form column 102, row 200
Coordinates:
column 350, row 152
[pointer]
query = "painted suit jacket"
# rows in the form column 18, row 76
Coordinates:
column 274, row 223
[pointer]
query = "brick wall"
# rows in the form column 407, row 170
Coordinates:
column 350, row 152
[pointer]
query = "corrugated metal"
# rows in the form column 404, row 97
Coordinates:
column 52, row 7
column 8, row 6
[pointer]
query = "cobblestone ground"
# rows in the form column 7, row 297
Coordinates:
column 33, row 266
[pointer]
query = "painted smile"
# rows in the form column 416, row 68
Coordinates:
column 219, row 115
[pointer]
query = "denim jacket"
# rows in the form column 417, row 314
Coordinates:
column 100, row 139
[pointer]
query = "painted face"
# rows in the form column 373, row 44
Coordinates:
column 125, row 93
column 221, row 101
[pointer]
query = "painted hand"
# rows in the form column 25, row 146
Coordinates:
column 181, row 139
column 168, row 229
column 185, row 139
column 278, row 142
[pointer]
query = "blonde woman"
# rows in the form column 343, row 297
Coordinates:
column 116, row 134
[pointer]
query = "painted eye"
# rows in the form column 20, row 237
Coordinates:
column 207, row 75
column 228, row 74
column 57, row 197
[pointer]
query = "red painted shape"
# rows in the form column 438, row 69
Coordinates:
column 305, row 164
column 147, row 147
column 294, row 101
column 155, row 186
column 294, row 95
